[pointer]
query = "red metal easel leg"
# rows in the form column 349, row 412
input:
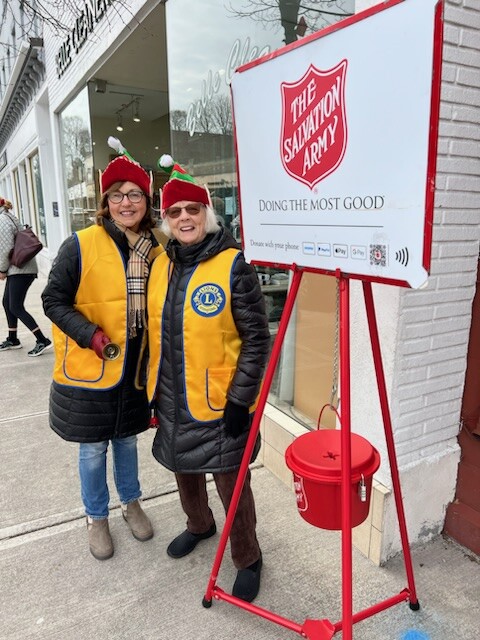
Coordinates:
column 347, row 621
column 276, row 349
column 382, row 391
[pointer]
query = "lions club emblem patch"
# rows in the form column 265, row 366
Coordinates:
column 208, row 299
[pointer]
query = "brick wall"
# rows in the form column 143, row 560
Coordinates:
column 424, row 333
column 434, row 323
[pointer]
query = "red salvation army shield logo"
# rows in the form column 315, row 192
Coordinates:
column 302, row 502
column 314, row 126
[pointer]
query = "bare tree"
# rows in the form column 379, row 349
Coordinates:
column 77, row 147
column 204, row 118
column 213, row 116
column 221, row 112
column 178, row 120
column 293, row 16
column 57, row 14
column 30, row 17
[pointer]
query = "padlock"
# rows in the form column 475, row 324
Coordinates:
column 362, row 490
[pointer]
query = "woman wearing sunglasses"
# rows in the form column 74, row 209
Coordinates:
column 95, row 297
column 208, row 345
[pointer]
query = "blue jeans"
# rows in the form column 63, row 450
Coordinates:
column 92, row 465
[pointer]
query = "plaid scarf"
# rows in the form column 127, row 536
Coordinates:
column 138, row 268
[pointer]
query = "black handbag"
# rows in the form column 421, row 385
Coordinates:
column 26, row 246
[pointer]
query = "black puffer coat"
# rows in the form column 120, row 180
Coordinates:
column 181, row 444
column 86, row 415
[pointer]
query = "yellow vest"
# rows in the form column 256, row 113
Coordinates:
column 101, row 298
column 210, row 338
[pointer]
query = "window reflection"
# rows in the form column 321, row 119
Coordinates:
column 39, row 208
column 18, row 196
column 202, row 140
column 78, row 162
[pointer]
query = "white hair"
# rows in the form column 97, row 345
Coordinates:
column 212, row 223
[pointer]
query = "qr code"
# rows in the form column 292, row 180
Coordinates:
column 378, row 255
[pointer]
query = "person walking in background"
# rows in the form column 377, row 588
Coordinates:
column 95, row 295
column 208, row 348
column 18, row 281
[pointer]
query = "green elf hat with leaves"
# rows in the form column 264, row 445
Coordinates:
column 124, row 169
column 180, row 186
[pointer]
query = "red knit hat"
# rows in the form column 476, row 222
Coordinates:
column 180, row 186
column 124, row 169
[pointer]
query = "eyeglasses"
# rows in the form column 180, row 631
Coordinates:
column 191, row 209
column 117, row 196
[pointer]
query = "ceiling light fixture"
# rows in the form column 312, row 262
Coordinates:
column 136, row 114
column 124, row 109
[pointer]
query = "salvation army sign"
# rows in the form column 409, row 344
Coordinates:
column 314, row 131
column 336, row 139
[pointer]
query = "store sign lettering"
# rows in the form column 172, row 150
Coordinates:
column 196, row 110
column 92, row 13
column 239, row 54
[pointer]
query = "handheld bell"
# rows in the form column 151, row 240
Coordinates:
column 111, row 351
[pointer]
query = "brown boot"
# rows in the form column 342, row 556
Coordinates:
column 137, row 520
column 99, row 538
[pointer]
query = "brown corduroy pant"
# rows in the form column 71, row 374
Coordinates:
column 192, row 488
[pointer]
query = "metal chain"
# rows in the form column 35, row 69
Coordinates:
column 334, row 400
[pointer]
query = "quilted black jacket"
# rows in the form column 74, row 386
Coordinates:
column 181, row 444
column 86, row 415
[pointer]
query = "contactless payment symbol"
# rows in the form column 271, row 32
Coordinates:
column 314, row 126
column 208, row 299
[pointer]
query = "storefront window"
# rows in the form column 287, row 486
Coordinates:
column 38, row 206
column 78, row 162
column 202, row 140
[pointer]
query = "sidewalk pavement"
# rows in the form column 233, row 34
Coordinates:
column 51, row 587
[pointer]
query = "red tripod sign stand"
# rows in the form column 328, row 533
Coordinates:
column 325, row 629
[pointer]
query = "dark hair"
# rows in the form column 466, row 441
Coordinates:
column 148, row 221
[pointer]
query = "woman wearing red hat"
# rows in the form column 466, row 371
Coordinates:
column 18, row 281
column 95, row 296
column 205, row 303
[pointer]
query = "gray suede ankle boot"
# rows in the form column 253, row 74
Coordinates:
column 99, row 538
column 137, row 520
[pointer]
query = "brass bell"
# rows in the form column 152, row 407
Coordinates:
column 111, row 351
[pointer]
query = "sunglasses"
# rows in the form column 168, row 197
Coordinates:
column 191, row 209
column 117, row 196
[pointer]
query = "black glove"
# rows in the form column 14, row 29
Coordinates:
column 236, row 419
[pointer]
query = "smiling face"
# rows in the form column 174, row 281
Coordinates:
column 128, row 213
column 187, row 221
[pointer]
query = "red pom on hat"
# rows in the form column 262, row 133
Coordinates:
column 122, row 169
